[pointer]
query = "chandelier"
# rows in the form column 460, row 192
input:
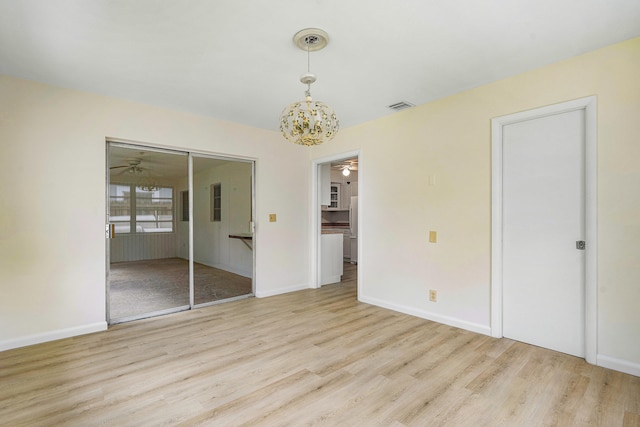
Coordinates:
column 309, row 122
column 145, row 181
column 141, row 176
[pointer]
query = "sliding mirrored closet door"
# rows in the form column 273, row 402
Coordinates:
column 180, row 231
column 148, row 253
column 222, row 237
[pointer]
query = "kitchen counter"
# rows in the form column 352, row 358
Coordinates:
column 331, row 263
column 334, row 231
column 246, row 238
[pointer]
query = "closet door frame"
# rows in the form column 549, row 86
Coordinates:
column 143, row 146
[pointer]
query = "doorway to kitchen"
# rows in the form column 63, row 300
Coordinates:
column 179, row 230
column 336, row 218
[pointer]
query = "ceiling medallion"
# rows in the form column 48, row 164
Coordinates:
column 309, row 122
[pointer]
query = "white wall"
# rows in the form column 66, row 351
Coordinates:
column 52, row 201
column 212, row 245
column 136, row 247
column 429, row 168
column 142, row 246
column 52, row 156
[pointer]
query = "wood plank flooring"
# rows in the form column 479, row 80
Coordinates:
column 313, row 357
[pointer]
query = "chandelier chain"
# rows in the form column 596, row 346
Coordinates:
column 308, row 92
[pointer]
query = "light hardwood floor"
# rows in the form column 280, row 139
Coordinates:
column 313, row 357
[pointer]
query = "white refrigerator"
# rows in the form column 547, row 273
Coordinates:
column 353, row 225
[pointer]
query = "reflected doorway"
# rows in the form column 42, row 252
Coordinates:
column 171, row 216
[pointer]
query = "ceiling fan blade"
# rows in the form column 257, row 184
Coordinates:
column 118, row 167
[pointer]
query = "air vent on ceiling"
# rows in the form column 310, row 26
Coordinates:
column 401, row 105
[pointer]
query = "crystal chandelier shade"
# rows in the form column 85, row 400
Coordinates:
column 309, row 122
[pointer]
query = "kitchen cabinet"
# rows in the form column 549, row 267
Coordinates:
column 335, row 202
column 340, row 195
column 331, row 258
column 340, row 189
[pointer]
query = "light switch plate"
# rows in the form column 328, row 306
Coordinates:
column 433, row 237
column 272, row 217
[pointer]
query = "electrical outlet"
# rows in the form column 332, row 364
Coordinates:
column 433, row 295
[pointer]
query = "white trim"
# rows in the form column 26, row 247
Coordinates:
column 222, row 301
column 192, row 279
column 591, row 229
column 172, row 149
column 496, row 228
column 279, row 291
column 315, row 225
column 451, row 321
column 149, row 315
column 52, row 335
column 587, row 104
column 107, row 214
column 252, row 225
column 619, row 365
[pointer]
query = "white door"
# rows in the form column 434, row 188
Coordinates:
column 543, row 216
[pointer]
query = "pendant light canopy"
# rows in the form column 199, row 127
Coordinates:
column 309, row 122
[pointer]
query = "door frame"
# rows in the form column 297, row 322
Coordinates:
column 316, row 217
column 189, row 154
column 589, row 105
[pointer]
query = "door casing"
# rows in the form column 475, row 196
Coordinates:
column 588, row 104
column 316, row 228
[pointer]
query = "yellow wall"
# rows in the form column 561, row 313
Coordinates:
column 450, row 139
column 52, row 202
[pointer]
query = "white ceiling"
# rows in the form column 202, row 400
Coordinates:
column 236, row 60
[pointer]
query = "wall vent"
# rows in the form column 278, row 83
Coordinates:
column 401, row 105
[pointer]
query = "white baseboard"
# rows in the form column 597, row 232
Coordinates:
column 618, row 365
column 52, row 335
column 451, row 321
column 331, row 280
column 278, row 291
